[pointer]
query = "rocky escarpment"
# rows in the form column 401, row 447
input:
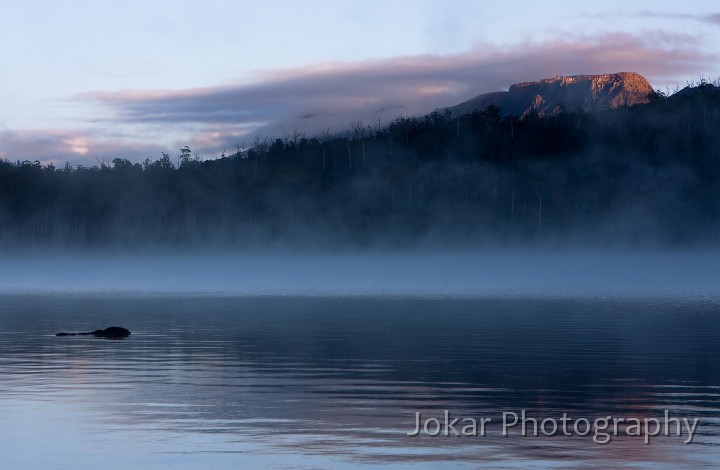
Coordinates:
column 550, row 96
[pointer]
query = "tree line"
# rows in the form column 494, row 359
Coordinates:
column 647, row 174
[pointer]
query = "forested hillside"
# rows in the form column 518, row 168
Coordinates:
column 649, row 174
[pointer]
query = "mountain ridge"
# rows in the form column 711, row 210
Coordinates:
column 550, row 96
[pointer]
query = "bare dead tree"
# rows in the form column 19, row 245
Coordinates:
column 103, row 162
column 349, row 153
column 390, row 141
column 540, row 209
column 512, row 205
column 359, row 133
column 240, row 150
column 324, row 139
column 297, row 136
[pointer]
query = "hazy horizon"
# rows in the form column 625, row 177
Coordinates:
column 678, row 274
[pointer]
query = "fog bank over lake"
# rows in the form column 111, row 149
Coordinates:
column 450, row 274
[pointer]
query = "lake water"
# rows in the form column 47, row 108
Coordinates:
column 335, row 381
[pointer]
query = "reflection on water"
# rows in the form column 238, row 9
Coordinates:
column 336, row 382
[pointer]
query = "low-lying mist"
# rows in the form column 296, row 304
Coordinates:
column 641, row 176
column 687, row 274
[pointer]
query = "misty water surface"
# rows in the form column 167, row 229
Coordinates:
column 436, row 274
column 269, row 361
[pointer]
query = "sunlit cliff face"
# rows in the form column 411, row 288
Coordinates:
column 552, row 95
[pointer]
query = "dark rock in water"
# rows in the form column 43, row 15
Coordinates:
column 112, row 332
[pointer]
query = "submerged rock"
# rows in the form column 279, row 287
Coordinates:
column 112, row 332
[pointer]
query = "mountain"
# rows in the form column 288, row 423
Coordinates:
column 550, row 96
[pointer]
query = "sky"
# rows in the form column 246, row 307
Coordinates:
column 85, row 82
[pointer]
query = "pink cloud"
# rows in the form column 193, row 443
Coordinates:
column 58, row 146
column 331, row 95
